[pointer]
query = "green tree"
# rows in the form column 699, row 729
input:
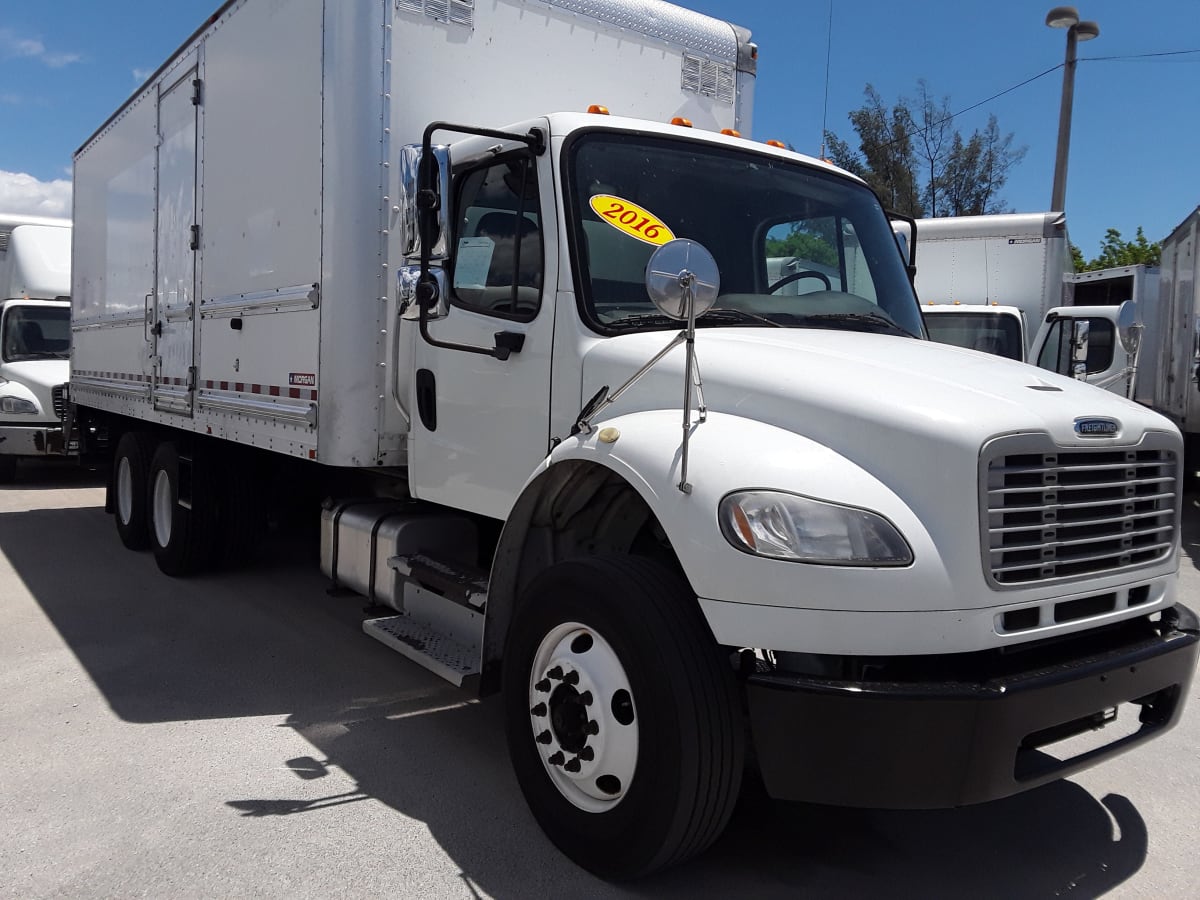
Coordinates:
column 812, row 243
column 1115, row 251
column 918, row 166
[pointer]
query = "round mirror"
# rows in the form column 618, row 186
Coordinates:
column 1129, row 326
column 677, row 266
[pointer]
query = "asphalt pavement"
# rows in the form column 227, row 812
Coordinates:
column 238, row 735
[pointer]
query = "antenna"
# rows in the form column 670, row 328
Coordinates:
column 828, row 55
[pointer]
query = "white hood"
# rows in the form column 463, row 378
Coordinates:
column 36, row 377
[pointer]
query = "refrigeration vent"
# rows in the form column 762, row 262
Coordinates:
column 456, row 12
column 59, row 397
column 1056, row 513
column 708, row 78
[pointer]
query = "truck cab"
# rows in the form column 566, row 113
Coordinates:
column 35, row 338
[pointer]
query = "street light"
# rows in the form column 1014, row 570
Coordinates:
column 1067, row 17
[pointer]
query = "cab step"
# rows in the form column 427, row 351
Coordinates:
column 437, row 651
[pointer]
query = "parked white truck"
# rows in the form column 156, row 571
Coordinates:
column 1159, row 308
column 35, row 337
column 671, row 508
column 986, row 282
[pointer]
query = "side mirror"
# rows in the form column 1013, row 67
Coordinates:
column 424, row 201
column 1129, row 327
column 1080, row 330
column 411, row 294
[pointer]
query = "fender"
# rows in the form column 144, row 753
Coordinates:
column 728, row 453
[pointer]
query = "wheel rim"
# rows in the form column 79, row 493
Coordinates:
column 164, row 508
column 585, row 726
column 124, row 490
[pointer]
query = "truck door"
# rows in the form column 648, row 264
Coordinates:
column 481, row 424
column 173, row 315
column 1105, row 360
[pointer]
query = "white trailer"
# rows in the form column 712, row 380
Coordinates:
column 900, row 571
column 986, row 281
column 1162, row 304
column 35, row 337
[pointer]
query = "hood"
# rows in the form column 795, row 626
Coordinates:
column 912, row 413
column 38, row 377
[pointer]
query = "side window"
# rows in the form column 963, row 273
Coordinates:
column 1056, row 352
column 802, row 257
column 498, row 259
column 1100, row 345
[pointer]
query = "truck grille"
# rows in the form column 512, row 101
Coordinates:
column 1054, row 513
column 59, row 396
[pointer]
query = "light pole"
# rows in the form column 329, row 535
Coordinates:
column 1067, row 17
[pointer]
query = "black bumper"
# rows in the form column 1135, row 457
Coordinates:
column 935, row 743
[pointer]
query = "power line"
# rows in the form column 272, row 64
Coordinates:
column 1138, row 55
column 828, row 56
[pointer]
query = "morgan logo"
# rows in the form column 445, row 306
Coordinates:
column 304, row 379
column 1097, row 427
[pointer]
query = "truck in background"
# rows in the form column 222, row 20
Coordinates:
column 901, row 573
column 35, row 337
column 984, row 282
column 1158, row 368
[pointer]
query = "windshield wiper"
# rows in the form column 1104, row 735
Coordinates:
column 864, row 319
column 727, row 313
column 718, row 315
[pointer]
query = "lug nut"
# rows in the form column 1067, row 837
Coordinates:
column 573, row 765
column 586, row 698
column 539, row 710
column 571, row 678
column 587, row 754
column 592, row 727
column 545, row 737
column 556, row 673
column 543, row 686
column 556, row 758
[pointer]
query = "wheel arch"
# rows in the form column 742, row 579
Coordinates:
column 574, row 507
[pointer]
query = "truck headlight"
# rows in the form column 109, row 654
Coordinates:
column 15, row 406
column 791, row 527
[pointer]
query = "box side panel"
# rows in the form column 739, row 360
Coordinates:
column 261, row 178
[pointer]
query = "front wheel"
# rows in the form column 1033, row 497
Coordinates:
column 622, row 716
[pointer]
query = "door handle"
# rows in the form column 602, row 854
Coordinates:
column 146, row 317
column 508, row 343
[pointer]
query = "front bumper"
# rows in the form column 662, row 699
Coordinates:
column 952, row 731
column 34, row 440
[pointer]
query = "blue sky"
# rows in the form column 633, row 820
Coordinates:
column 1135, row 146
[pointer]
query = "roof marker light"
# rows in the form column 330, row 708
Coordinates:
column 780, row 144
column 598, row 110
column 680, row 120
column 732, row 132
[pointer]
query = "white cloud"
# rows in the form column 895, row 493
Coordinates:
column 13, row 45
column 140, row 75
column 24, row 195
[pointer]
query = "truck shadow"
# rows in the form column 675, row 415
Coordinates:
column 270, row 641
column 53, row 474
column 1191, row 527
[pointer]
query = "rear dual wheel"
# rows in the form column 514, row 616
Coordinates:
column 622, row 714
column 182, row 517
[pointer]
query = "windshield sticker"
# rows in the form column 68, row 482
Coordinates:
column 631, row 219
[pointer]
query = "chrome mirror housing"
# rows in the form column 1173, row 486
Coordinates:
column 407, row 280
column 412, row 233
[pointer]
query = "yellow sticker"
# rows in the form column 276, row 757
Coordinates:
column 631, row 219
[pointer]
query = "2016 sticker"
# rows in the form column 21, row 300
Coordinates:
column 631, row 219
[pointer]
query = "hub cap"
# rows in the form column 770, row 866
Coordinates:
column 164, row 508
column 584, row 723
column 124, row 490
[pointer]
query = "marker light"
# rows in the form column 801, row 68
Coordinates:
column 680, row 120
column 732, row 132
column 597, row 109
column 780, row 144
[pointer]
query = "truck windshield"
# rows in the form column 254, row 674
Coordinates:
column 36, row 332
column 796, row 246
column 995, row 333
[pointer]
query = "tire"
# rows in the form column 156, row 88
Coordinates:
column 183, row 539
column 8, row 469
column 130, row 478
column 622, row 714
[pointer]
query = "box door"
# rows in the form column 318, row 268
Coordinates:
column 174, row 317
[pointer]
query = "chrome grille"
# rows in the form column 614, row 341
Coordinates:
column 1054, row 513
column 59, row 396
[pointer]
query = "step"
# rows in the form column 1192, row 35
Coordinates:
column 464, row 585
column 445, row 657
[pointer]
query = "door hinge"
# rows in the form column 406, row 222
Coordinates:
column 191, row 381
column 196, row 91
column 195, row 243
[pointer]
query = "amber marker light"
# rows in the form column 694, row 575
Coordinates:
column 743, row 527
column 780, row 144
column 680, row 120
column 598, row 110
column 732, row 132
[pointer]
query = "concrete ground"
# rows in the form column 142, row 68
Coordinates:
column 237, row 735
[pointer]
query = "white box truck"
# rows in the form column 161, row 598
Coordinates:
column 35, row 338
column 985, row 282
column 1156, row 306
column 668, row 506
